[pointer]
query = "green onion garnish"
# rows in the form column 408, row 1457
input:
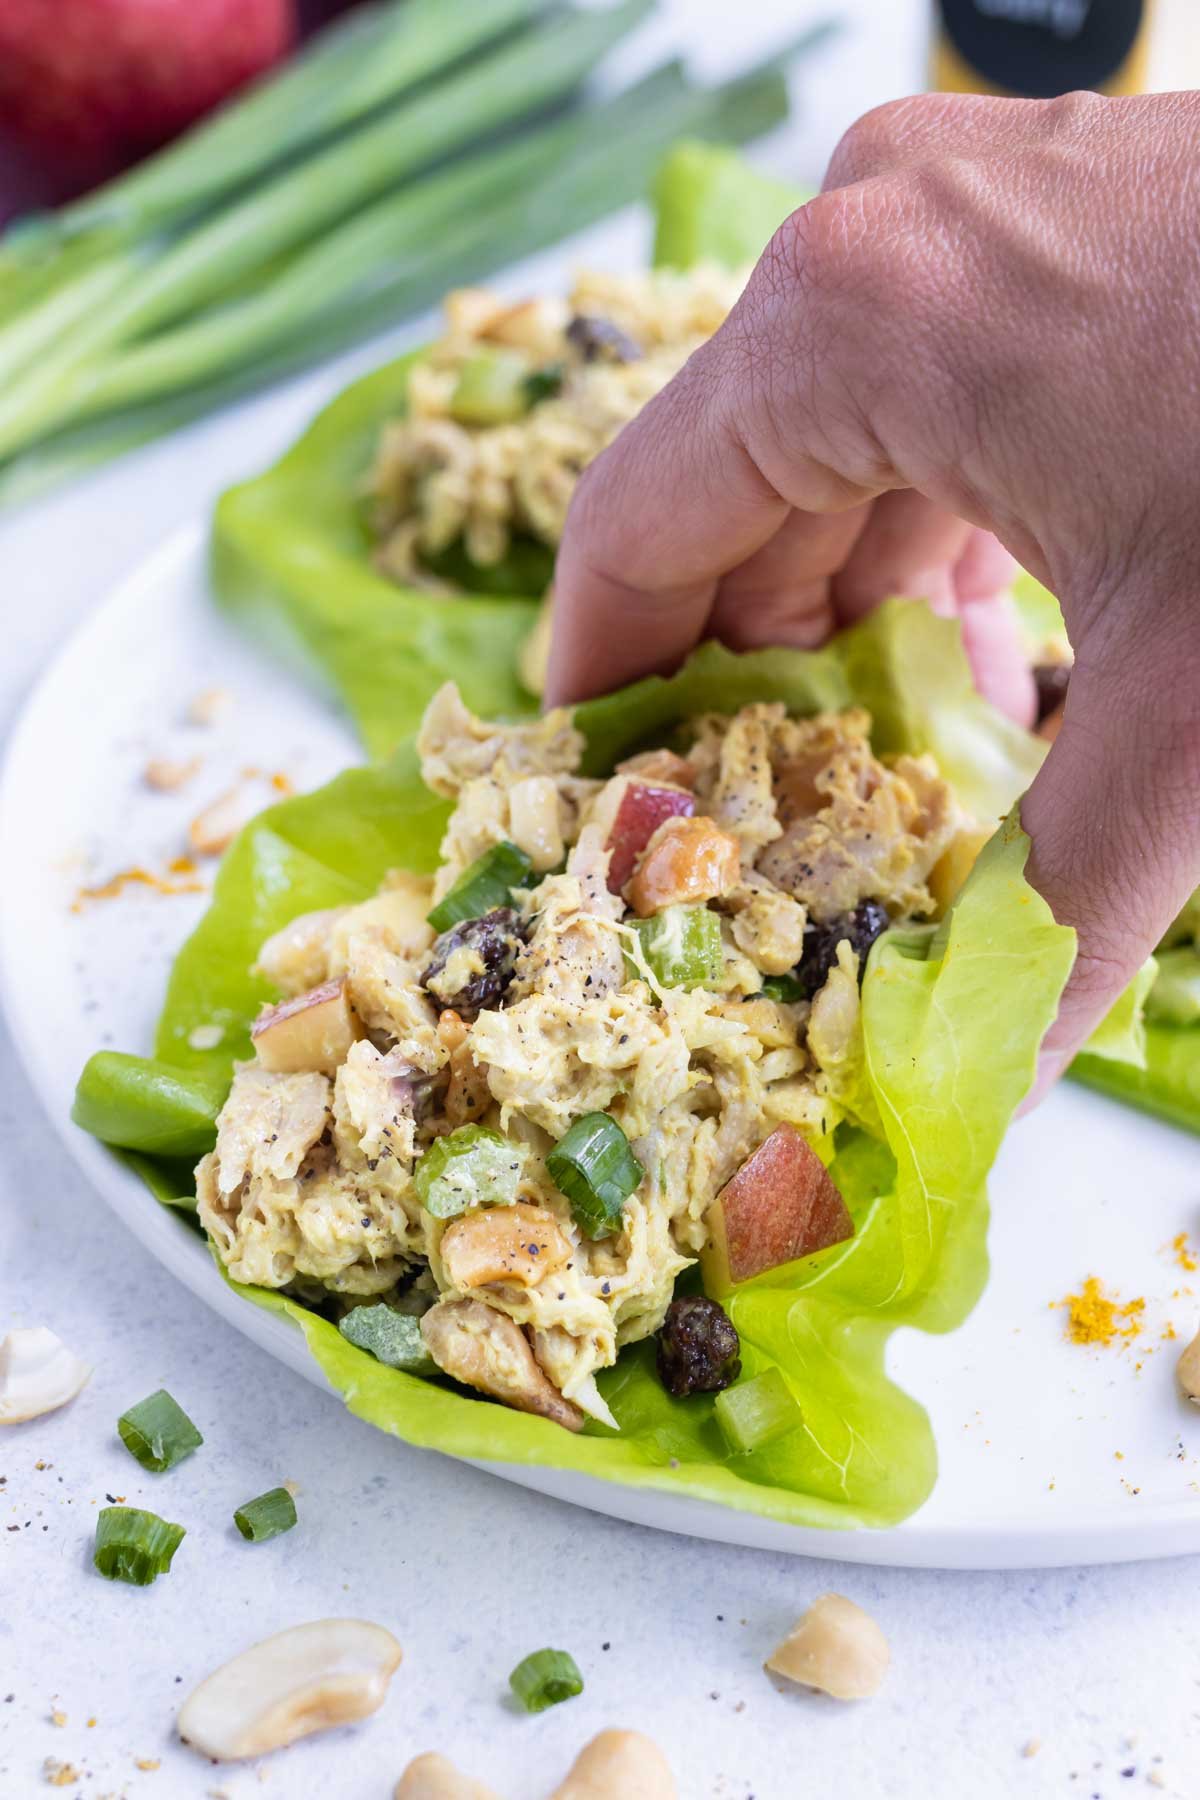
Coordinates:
column 597, row 1171
column 134, row 1546
column 390, row 1337
column 783, row 987
column 682, row 945
column 488, row 883
column 544, row 384
column 474, row 1166
column 545, row 1679
column 158, row 1432
column 758, row 1411
column 272, row 1513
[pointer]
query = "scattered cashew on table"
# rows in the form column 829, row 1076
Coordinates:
column 616, row 1765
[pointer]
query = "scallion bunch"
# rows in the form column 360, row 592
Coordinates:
column 411, row 146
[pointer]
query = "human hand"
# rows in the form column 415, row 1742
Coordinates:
column 986, row 324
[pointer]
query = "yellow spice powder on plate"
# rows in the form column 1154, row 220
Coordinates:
column 1094, row 1317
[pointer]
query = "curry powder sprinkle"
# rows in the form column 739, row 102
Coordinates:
column 1094, row 1317
column 1185, row 1256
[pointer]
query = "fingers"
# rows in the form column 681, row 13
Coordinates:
column 1113, row 822
column 784, row 593
column 992, row 635
column 757, row 425
column 667, row 510
column 909, row 546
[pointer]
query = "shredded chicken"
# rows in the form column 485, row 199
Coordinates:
column 442, row 478
column 549, row 1009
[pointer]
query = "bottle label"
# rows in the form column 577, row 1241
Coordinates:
column 1044, row 47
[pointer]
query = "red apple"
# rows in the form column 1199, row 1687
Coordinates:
column 90, row 85
column 781, row 1204
column 641, row 812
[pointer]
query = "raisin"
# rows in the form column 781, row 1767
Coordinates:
column 1050, row 680
column 860, row 928
column 697, row 1348
column 479, row 978
column 598, row 339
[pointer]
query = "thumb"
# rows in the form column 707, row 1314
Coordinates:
column 1113, row 817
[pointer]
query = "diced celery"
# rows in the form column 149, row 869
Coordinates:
column 682, row 945
column 492, row 389
column 758, row 1411
column 472, row 1167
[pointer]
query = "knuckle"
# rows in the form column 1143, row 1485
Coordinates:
column 871, row 143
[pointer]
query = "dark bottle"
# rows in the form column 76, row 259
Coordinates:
column 1039, row 48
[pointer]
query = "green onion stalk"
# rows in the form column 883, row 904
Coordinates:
column 536, row 70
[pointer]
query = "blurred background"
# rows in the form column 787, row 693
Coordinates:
column 202, row 196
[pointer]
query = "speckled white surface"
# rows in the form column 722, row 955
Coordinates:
column 1101, row 1666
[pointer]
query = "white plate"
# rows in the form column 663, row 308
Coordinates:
column 1050, row 1453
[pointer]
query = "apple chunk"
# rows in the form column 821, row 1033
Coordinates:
column 781, row 1204
column 312, row 1031
column 642, row 810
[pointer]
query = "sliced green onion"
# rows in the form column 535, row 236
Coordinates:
column 472, row 1167
column 597, row 1171
column 390, row 1337
column 271, row 1514
column 682, row 945
column 783, row 987
column 546, row 1678
column 134, row 1546
column 545, row 383
column 1175, row 997
column 158, row 1433
column 491, row 389
column 758, row 1411
column 488, row 883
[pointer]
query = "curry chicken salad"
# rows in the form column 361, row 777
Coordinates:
column 497, row 1113
column 509, row 406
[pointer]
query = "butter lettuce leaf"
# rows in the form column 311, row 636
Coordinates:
column 953, row 1015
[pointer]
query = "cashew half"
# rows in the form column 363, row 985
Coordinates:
column 1187, row 1371
column 619, row 1765
column 431, row 1777
column 485, row 1349
column 518, row 1243
column 38, row 1374
column 308, row 1679
column 836, row 1647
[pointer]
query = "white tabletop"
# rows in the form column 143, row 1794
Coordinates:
column 1097, row 1668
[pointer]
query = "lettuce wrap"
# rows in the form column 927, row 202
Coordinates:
column 950, row 1042
column 291, row 551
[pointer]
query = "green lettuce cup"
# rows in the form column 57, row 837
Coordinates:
column 291, row 554
column 953, row 1015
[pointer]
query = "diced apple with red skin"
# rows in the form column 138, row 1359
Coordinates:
column 781, row 1204
column 312, row 1031
column 642, row 810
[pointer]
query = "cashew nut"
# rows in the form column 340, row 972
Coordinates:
column 518, row 1243
column 1187, row 1371
column 485, row 1349
column 308, row 1679
column 431, row 1777
column 836, row 1647
column 37, row 1375
column 618, row 1765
